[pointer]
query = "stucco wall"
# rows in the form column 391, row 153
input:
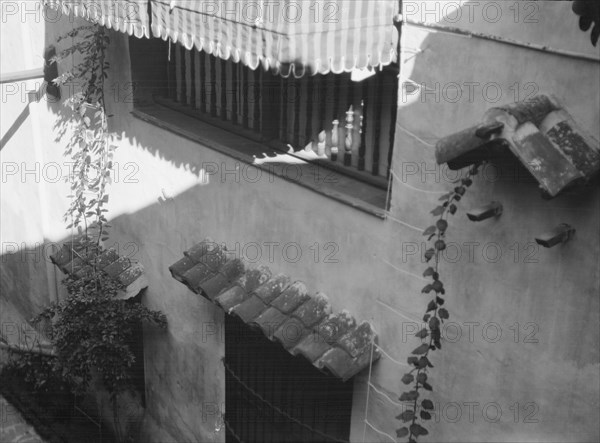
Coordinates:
column 495, row 274
column 27, row 280
column 160, row 205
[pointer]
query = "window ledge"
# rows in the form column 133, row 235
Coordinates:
column 348, row 190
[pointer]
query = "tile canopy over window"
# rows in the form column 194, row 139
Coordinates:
column 284, row 311
column 287, row 37
column 75, row 258
column 539, row 132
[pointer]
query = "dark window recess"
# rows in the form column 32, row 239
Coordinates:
column 137, row 347
column 271, row 396
column 356, row 117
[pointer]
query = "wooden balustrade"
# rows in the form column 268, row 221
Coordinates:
column 334, row 140
column 304, row 113
column 348, row 142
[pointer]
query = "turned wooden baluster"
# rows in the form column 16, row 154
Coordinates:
column 283, row 116
column 377, row 124
column 309, row 111
column 235, row 92
column 321, row 144
column 223, row 68
column 298, row 140
column 257, row 94
column 334, row 140
column 394, row 115
column 362, row 134
column 198, row 83
column 190, row 93
column 179, row 74
column 212, row 84
column 244, row 95
column 348, row 142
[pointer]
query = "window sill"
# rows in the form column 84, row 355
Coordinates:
column 348, row 190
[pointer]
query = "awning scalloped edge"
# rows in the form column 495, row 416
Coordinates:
column 253, row 61
column 138, row 30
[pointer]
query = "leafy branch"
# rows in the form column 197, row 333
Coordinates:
column 89, row 147
column 435, row 315
column 91, row 328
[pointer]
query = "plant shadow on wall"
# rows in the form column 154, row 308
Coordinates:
column 92, row 328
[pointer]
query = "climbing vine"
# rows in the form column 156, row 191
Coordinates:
column 89, row 148
column 91, row 329
column 419, row 408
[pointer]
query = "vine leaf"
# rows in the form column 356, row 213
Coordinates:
column 402, row 432
column 424, row 361
column 417, row 430
column 407, row 379
column 430, row 230
column 425, row 415
column 421, row 349
column 422, row 377
column 445, row 196
column 434, row 323
column 412, row 360
column 427, row 289
column 429, row 271
column 437, row 286
column 422, row 333
column 438, row 210
column 432, row 306
column 442, row 225
column 429, row 254
column 452, row 209
column 443, row 313
column 440, row 301
column 440, row 245
column 427, row 404
column 427, row 386
column 406, row 416
column 409, row 396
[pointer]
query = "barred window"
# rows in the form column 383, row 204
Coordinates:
column 329, row 119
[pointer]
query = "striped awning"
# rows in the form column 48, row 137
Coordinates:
column 289, row 37
column 129, row 16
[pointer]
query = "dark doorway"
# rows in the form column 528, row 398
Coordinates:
column 272, row 396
